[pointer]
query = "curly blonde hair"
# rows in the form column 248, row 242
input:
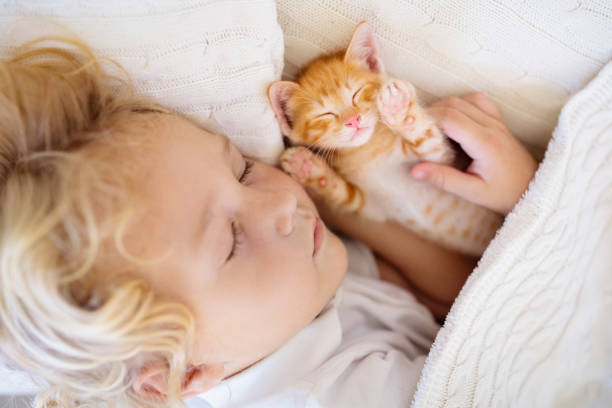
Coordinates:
column 64, row 125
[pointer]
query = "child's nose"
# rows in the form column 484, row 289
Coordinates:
column 283, row 208
column 353, row 122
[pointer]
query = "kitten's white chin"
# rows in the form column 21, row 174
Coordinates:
column 357, row 138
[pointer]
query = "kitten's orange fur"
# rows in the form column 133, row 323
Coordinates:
column 368, row 130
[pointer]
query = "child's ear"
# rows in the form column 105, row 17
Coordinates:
column 152, row 381
column 279, row 93
column 202, row 378
column 363, row 49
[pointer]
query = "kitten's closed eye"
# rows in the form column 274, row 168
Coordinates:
column 326, row 115
column 357, row 94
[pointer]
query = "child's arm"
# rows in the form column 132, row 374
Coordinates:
column 389, row 273
column 501, row 167
column 500, row 172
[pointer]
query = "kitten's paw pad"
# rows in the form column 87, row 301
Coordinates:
column 304, row 166
column 395, row 101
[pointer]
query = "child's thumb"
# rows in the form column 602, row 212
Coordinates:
column 449, row 179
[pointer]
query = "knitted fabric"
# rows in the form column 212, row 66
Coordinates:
column 208, row 59
column 531, row 326
column 528, row 56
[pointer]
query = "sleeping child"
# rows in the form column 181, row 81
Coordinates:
column 145, row 260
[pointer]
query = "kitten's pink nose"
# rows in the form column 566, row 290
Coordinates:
column 353, row 122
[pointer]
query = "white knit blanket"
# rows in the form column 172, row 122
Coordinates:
column 527, row 56
column 531, row 327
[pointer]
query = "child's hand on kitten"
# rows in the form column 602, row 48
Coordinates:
column 501, row 167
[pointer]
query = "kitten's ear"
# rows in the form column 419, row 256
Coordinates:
column 279, row 93
column 363, row 49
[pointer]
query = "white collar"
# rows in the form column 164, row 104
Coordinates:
column 299, row 356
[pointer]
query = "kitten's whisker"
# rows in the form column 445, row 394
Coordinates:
column 309, row 146
column 325, row 154
column 320, row 150
column 332, row 153
column 328, row 152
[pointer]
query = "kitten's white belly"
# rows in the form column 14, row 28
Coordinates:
column 398, row 196
column 392, row 194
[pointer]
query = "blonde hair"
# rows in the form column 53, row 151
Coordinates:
column 85, row 330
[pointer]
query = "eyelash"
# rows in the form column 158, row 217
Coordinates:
column 246, row 172
column 237, row 233
column 326, row 114
column 238, row 239
column 355, row 95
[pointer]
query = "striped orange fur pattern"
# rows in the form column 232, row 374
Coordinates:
column 367, row 130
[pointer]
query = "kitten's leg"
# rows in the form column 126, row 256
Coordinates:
column 399, row 110
column 314, row 173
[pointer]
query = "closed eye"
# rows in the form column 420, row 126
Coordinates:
column 356, row 95
column 237, row 234
column 248, row 165
column 326, row 115
column 237, row 239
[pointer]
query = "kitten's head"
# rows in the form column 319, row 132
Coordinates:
column 333, row 104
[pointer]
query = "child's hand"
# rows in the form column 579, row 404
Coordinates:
column 501, row 167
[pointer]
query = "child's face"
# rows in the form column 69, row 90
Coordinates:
column 247, row 305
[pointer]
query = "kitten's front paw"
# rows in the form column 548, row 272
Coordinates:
column 304, row 166
column 395, row 102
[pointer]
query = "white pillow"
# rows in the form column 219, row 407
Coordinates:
column 528, row 56
column 210, row 60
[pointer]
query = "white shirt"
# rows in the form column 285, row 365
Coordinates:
column 365, row 349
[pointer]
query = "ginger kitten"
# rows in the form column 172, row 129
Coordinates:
column 369, row 130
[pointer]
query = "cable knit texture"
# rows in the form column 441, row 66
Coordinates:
column 211, row 60
column 528, row 56
column 531, row 326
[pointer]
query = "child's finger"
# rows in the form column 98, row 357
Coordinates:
column 472, row 111
column 461, row 128
column 449, row 179
column 483, row 102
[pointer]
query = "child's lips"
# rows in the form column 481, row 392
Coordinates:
column 318, row 235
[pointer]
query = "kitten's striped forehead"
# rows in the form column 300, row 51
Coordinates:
column 330, row 81
column 327, row 87
column 336, row 100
